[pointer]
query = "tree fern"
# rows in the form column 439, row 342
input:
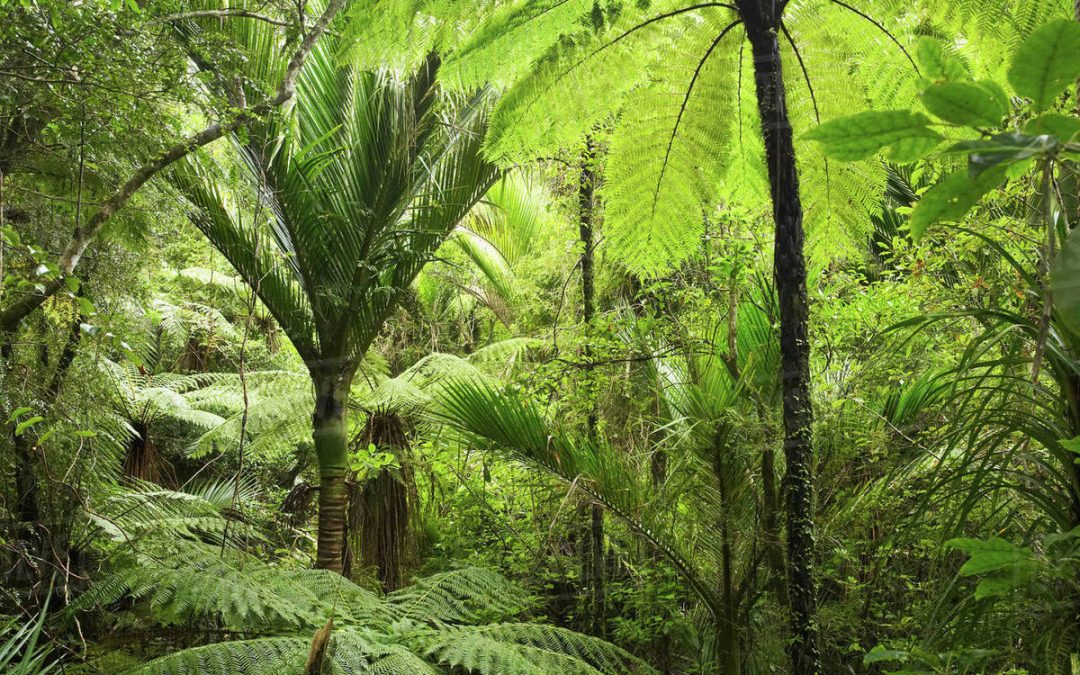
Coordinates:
column 680, row 86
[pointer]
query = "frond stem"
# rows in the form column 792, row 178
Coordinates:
column 682, row 108
column 882, row 28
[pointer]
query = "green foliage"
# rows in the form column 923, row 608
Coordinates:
column 374, row 173
column 440, row 622
column 1046, row 63
column 21, row 652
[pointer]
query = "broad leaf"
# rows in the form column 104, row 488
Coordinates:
column 1047, row 62
column 988, row 555
column 1063, row 127
column 861, row 135
column 972, row 104
column 952, row 198
column 1065, row 283
column 1003, row 149
column 937, row 64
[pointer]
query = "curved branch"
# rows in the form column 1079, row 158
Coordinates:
column 882, row 28
column 682, row 109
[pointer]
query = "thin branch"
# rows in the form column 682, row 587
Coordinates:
column 881, row 28
column 21, row 308
column 220, row 14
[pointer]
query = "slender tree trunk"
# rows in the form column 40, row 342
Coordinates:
column 586, row 204
column 789, row 268
column 330, row 433
column 728, row 634
column 26, row 510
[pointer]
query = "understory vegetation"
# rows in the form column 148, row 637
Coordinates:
column 506, row 337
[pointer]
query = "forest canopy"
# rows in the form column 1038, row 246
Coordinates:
column 499, row 337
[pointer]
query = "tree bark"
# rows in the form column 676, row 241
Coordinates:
column 586, row 205
column 728, row 635
column 330, row 434
column 762, row 22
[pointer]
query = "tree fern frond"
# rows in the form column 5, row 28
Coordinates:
column 467, row 595
column 667, row 157
column 601, row 655
column 263, row 656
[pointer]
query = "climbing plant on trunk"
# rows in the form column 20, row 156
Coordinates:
column 355, row 189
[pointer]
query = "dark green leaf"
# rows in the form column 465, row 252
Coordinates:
column 1003, row 149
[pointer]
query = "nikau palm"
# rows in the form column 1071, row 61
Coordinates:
column 356, row 188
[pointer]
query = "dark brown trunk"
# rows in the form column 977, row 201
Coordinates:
column 728, row 634
column 789, row 269
column 586, row 222
column 143, row 461
column 26, row 509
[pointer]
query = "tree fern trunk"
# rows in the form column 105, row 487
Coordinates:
column 586, row 204
column 789, row 268
column 330, row 436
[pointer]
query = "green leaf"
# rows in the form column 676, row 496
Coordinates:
column 1047, row 62
column 861, row 135
column 951, row 198
column 26, row 424
column 1007, row 580
column 1003, row 149
column 1072, row 444
column 971, row 104
column 86, row 307
column 1063, row 127
column 72, row 284
column 988, row 555
column 879, row 654
column 18, row 412
column 1065, row 285
column 936, row 63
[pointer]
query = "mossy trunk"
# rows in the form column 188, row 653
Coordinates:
column 330, row 434
column 762, row 22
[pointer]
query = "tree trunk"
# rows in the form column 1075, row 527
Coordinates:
column 586, row 204
column 728, row 634
column 789, row 268
column 379, row 522
column 329, row 431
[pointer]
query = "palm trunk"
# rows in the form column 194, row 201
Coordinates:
column 789, row 268
column 329, row 432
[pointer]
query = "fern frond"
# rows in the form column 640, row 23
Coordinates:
column 263, row 656
column 467, row 595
